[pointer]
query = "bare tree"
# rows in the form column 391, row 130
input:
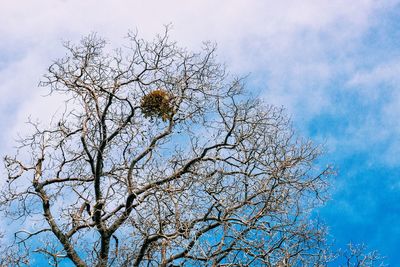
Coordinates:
column 355, row 256
column 159, row 158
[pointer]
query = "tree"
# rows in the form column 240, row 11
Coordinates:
column 160, row 158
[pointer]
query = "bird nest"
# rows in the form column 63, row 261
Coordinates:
column 157, row 104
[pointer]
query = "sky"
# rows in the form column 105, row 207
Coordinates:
column 333, row 64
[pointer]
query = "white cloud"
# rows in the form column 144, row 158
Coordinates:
column 378, row 86
column 384, row 73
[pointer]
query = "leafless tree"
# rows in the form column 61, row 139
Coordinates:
column 355, row 255
column 160, row 158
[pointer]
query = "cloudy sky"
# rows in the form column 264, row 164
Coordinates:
column 333, row 64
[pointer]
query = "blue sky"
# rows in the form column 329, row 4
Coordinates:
column 334, row 65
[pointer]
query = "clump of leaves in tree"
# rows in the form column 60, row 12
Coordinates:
column 157, row 103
